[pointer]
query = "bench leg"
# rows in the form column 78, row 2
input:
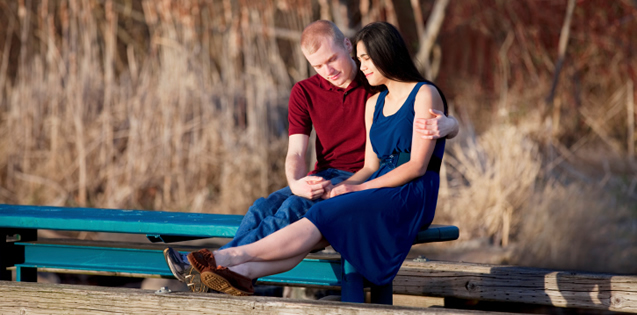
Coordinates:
column 5, row 255
column 26, row 274
column 383, row 294
column 11, row 254
column 352, row 289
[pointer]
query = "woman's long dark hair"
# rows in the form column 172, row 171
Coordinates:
column 388, row 51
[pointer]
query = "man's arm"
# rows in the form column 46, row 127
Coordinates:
column 440, row 126
column 310, row 187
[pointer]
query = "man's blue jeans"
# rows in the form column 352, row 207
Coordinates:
column 278, row 210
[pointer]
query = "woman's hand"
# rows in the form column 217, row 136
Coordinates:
column 327, row 190
column 343, row 189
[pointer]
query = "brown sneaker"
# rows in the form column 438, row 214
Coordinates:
column 202, row 259
column 227, row 281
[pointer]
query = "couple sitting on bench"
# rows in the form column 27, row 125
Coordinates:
column 386, row 123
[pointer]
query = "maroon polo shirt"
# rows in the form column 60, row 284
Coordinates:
column 338, row 116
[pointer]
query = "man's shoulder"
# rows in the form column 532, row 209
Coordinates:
column 307, row 89
column 312, row 82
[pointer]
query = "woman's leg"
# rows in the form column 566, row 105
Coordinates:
column 294, row 240
column 254, row 270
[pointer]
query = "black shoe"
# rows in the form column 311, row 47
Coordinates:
column 183, row 271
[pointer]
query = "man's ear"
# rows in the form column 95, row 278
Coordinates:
column 348, row 45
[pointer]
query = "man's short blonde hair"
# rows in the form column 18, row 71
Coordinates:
column 317, row 30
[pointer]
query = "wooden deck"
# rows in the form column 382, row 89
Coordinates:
column 503, row 283
column 480, row 282
column 39, row 298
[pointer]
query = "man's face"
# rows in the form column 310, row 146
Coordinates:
column 333, row 62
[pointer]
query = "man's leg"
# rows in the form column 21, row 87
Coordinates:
column 262, row 208
column 292, row 210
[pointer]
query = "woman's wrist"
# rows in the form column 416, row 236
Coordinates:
column 363, row 186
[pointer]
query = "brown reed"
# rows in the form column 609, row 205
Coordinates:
column 185, row 125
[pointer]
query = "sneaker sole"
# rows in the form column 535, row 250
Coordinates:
column 193, row 280
column 219, row 283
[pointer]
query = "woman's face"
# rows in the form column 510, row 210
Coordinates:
column 374, row 77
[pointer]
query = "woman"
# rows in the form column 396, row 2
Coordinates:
column 372, row 218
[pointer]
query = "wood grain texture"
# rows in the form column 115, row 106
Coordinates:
column 518, row 284
column 52, row 299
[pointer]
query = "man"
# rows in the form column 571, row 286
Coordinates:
column 333, row 102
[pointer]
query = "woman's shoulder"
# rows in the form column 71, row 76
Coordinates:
column 373, row 99
column 428, row 89
column 429, row 94
column 370, row 105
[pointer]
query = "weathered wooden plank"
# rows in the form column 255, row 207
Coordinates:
column 518, row 284
column 53, row 299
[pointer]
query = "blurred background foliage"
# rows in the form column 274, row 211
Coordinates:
column 182, row 106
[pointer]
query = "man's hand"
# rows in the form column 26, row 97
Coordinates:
column 310, row 187
column 438, row 127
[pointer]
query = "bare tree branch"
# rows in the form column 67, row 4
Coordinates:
column 427, row 41
column 564, row 35
column 630, row 119
column 341, row 13
column 418, row 18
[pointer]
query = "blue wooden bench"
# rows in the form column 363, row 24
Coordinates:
column 20, row 247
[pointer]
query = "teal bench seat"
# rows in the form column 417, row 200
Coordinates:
column 21, row 248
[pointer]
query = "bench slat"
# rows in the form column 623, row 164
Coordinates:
column 158, row 225
column 437, row 233
column 146, row 259
column 119, row 221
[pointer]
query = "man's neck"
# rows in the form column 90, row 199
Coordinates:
column 352, row 75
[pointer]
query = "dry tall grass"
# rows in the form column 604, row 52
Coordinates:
column 181, row 105
column 191, row 122
column 498, row 188
column 495, row 174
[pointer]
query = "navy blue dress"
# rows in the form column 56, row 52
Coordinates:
column 374, row 229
